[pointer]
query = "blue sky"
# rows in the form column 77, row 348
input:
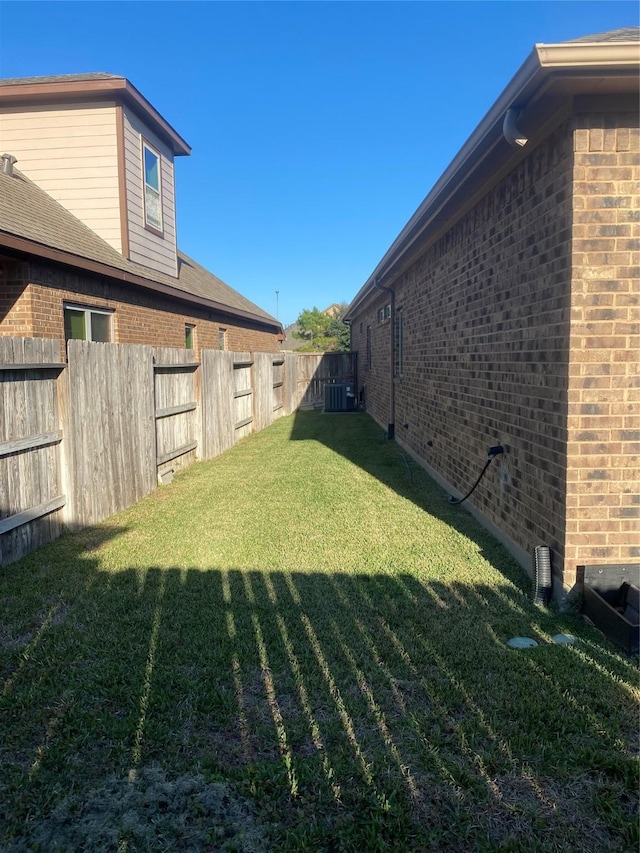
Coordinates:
column 317, row 127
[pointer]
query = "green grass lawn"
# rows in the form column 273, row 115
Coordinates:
column 301, row 646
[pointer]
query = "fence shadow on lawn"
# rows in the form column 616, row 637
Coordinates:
column 337, row 711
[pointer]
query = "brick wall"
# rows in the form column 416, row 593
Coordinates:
column 504, row 344
column 374, row 375
column 603, row 427
column 34, row 306
column 15, row 299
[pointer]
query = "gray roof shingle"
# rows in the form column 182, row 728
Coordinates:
column 60, row 78
column 28, row 212
column 623, row 34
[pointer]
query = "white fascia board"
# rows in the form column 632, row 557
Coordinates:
column 602, row 55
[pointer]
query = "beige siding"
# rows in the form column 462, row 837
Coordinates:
column 69, row 151
column 145, row 246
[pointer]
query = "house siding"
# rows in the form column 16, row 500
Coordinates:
column 68, row 151
column 146, row 247
column 32, row 306
column 502, row 346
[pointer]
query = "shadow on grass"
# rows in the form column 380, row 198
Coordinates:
column 359, row 439
column 173, row 709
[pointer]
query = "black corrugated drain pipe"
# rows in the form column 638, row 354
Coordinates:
column 542, row 575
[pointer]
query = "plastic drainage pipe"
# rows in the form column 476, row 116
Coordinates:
column 542, row 575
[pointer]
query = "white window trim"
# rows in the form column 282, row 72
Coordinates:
column 384, row 313
column 150, row 225
column 88, row 311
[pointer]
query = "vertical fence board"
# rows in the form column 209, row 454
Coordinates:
column 218, row 404
column 262, row 390
column 244, row 405
column 175, row 388
column 29, row 478
column 290, row 390
column 111, row 415
column 277, row 394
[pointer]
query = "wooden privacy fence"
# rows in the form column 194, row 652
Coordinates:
column 82, row 439
column 314, row 371
column 177, row 410
column 31, row 490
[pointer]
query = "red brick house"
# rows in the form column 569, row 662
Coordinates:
column 506, row 312
column 88, row 224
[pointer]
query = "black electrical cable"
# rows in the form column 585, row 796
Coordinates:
column 493, row 452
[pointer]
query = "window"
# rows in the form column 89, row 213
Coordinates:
column 398, row 343
column 384, row 313
column 222, row 338
column 368, row 364
column 189, row 335
column 152, row 187
column 87, row 324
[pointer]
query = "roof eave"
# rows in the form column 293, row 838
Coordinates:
column 531, row 78
column 27, row 247
column 602, row 54
column 119, row 88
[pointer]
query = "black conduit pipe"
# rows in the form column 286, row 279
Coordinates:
column 493, row 452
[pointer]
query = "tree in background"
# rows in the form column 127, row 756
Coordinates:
column 324, row 331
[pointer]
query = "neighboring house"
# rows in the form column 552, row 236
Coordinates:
column 88, row 224
column 506, row 312
column 290, row 342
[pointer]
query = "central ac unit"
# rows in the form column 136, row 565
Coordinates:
column 339, row 397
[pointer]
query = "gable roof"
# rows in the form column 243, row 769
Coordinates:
column 32, row 223
column 601, row 64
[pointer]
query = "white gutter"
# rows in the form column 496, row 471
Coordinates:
column 526, row 81
column 588, row 54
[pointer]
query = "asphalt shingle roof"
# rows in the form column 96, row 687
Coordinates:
column 60, row 78
column 623, row 34
column 28, row 212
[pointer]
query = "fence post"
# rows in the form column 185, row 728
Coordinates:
column 65, row 453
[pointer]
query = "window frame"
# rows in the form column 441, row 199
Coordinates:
column 88, row 310
column 151, row 226
column 190, row 336
column 222, row 339
column 384, row 313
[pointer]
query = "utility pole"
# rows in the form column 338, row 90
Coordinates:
column 277, row 292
